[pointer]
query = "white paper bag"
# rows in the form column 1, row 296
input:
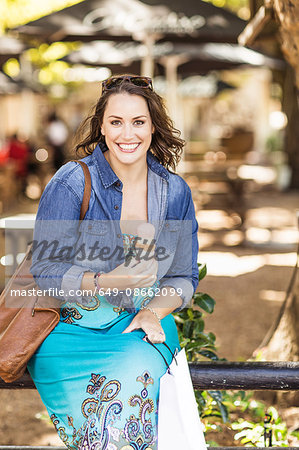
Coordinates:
column 179, row 425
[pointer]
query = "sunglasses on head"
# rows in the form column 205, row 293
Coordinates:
column 143, row 82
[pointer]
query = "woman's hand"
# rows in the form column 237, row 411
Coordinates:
column 140, row 272
column 136, row 274
column 148, row 322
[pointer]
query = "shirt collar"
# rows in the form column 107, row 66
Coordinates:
column 156, row 167
column 107, row 175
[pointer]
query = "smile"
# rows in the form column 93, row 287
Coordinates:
column 128, row 148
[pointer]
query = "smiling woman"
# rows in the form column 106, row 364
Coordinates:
column 165, row 142
column 96, row 373
column 128, row 136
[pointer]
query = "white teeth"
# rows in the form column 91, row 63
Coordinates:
column 128, row 146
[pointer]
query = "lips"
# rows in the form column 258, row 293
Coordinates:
column 128, row 148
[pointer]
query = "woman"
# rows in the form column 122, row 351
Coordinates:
column 96, row 373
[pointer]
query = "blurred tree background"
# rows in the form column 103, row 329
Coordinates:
column 279, row 38
column 18, row 12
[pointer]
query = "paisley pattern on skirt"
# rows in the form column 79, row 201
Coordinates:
column 102, row 411
column 101, row 387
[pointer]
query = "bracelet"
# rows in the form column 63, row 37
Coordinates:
column 95, row 279
column 152, row 311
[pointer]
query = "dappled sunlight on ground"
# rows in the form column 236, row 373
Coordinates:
column 229, row 264
column 249, row 266
column 217, row 219
column 271, row 217
column 266, row 226
column 272, row 296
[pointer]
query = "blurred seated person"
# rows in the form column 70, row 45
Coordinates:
column 18, row 152
column 57, row 134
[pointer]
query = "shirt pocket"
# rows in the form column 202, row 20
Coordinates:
column 102, row 244
column 169, row 236
column 95, row 233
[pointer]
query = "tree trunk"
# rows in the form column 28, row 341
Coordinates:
column 290, row 108
column 287, row 14
column 282, row 340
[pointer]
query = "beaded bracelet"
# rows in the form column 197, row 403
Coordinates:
column 95, row 279
column 152, row 311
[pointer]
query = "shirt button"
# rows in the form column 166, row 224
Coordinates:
column 116, row 207
column 117, row 183
column 119, row 235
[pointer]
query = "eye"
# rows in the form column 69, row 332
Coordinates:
column 115, row 122
column 139, row 122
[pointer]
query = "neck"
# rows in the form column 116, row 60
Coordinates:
column 128, row 174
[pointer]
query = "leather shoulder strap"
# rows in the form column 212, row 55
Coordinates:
column 87, row 190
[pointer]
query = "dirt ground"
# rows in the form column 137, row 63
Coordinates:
column 248, row 272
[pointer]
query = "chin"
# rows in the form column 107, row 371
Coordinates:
column 130, row 157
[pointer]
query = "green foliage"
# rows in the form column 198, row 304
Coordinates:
column 250, row 431
column 17, row 12
column 191, row 325
column 238, row 7
column 217, row 407
column 200, row 345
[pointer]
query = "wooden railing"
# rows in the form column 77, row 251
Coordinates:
column 218, row 375
column 223, row 375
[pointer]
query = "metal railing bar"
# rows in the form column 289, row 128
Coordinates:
column 223, row 375
column 27, row 447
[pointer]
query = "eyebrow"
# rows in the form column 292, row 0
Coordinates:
column 117, row 117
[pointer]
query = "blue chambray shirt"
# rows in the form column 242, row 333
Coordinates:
column 170, row 209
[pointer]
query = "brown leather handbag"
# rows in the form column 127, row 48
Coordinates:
column 24, row 327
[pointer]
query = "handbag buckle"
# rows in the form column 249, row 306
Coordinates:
column 33, row 307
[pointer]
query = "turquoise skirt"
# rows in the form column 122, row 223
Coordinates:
column 100, row 386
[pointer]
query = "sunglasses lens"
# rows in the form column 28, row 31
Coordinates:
column 111, row 83
column 142, row 82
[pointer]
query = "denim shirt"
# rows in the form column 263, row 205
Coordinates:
column 170, row 209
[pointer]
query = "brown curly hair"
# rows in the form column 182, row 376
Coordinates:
column 166, row 143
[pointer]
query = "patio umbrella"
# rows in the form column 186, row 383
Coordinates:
column 199, row 59
column 124, row 20
column 171, row 59
column 148, row 21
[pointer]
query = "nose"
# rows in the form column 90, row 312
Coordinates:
column 128, row 131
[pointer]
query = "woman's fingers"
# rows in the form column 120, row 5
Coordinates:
column 140, row 265
column 135, row 274
column 144, row 272
column 155, row 338
column 154, row 333
column 149, row 324
column 130, row 328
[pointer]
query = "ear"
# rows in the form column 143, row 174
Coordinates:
column 153, row 129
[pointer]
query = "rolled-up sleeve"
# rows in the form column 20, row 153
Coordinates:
column 183, row 273
column 54, row 241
